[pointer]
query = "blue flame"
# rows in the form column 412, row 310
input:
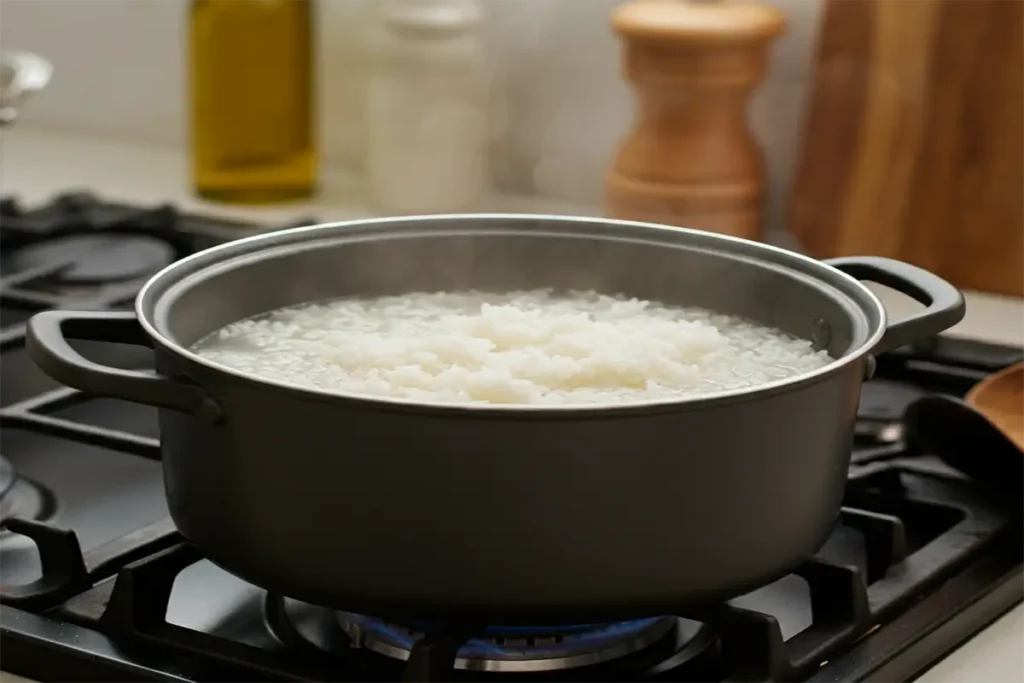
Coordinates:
column 579, row 637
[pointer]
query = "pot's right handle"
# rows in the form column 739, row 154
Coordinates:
column 944, row 303
column 48, row 333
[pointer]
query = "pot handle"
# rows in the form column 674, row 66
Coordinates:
column 944, row 303
column 48, row 333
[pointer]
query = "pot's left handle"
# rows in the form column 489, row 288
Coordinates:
column 48, row 334
column 944, row 304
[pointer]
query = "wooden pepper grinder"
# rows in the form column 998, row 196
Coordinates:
column 690, row 159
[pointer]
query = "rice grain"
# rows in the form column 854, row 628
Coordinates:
column 517, row 348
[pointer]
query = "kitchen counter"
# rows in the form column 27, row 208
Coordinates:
column 36, row 164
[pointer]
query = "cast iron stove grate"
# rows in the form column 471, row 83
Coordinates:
column 935, row 561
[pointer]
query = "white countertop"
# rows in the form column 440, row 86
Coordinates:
column 36, row 164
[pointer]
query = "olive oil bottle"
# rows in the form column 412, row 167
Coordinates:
column 251, row 74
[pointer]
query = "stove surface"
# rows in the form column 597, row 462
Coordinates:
column 97, row 585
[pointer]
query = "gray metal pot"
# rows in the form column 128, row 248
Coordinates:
column 507, row 514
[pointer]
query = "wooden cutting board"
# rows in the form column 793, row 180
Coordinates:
column 914, row 148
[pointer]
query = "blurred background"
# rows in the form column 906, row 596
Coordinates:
column 138, row 132
column 122, row 71
column 886, row 127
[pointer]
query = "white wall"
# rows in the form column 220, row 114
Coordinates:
column 119, row 70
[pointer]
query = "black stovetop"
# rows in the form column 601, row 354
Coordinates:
column 920, row 561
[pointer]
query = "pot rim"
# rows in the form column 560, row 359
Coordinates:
column 176, row 272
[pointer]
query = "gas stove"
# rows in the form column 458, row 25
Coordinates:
column 98, row 585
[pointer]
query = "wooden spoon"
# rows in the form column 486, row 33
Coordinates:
column 980, row 436
column 1000, row 398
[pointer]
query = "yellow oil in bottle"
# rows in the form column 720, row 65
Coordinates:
column 252, row 82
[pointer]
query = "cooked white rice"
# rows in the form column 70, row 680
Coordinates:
column 528, row 347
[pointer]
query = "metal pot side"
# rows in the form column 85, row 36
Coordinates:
column 480, row 512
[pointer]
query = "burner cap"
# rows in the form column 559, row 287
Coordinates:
column 93, row 259
column 23, row 498
column 520, row 649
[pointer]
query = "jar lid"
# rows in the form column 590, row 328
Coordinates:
column 431, row 15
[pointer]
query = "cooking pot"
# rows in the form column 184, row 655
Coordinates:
column 494, row 512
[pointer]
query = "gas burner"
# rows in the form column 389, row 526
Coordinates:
column 82, row 259
column 23, row 498
column 525, row 649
